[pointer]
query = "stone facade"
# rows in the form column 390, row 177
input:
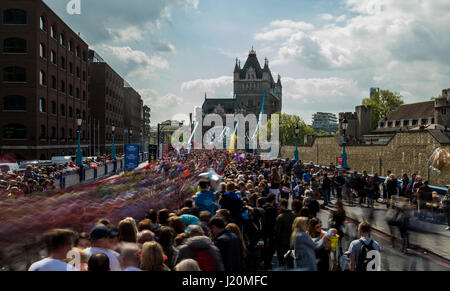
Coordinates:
column 406, row 152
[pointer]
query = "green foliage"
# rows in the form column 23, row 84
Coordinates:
column 383, row 104
column 436, row 98
column 288, row 123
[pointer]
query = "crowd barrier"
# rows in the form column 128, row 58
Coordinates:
column 90, row 174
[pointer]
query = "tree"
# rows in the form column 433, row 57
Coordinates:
column 436, row 98
column 288, row 123
column 383, row 104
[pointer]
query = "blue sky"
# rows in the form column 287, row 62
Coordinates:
column 328, row 53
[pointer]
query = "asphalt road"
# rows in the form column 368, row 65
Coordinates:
column 392, row 259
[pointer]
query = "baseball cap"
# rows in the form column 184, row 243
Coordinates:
column 101, row 231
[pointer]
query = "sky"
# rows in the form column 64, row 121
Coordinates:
column 329, row 53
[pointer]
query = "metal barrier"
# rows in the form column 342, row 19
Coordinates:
column 89, row 174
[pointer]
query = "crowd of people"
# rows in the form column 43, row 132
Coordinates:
column 240, row 221
column 39, row 179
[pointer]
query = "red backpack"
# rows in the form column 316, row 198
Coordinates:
column 205, row 260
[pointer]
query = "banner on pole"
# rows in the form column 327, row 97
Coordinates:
column 131, row 157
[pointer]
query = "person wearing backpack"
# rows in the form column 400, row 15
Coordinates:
column 361, row 250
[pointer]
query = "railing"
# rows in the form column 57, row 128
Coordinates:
column 90, row 174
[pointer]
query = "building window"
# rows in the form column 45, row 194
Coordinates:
column 43, row 23
column 63, row 87
column 14, row 74
column 42, row 106
column 42, row 78
column 70, row 133
column 62, row 133
column 405, row 122
column 42, row 132
column 70, row 112
column 77, row 93
column 15, row 16
column 53, row 32
column 390, row 124
column 15, row 45
column 415, row 121
column 84, row 95
column 14, row 103
column 424, row 121
column 444, row 111
column 53, row 84
column 70, row 46
column 70, row 90
column 53, row 107
column 84, row 75
column 77, row 113
column 78, row 72
column 62, row 40
column 53, row 132
column 77, row 51
column 382, row 124
column 15, row 131
column 53, row 57
column 84, row 56
column 70, row 67
column 63, row 62
column 42, row 51
column 397, row 123
column 63, row 110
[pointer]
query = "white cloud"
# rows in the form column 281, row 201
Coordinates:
column 217, row 87
column 131, row 33
column 282, row 29
column 326, row 16
column 137, row 63
column 401, row 45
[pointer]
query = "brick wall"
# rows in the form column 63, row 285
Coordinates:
column 406, row 153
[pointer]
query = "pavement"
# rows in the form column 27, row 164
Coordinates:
column 425, row 236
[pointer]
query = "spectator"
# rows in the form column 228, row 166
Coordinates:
column 152, row 257
column 127, row 231
column 228, row 243
column 100, row 243
column 283, row 230
column 253, row 234
column 269, row 220
column 98, row 262
column 360, row 248
column 83, row 241
column 232, row 202
column 58, row 242
column 205, row 199
column 304, row 246
column 162, row 217
column 129, row 257
column 177, row 224
column 187, row 265
column 166, row 240
column 145, row 236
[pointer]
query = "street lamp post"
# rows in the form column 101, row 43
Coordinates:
column 297, row 131
column 113, row 149
column 142, row 144
column 131, row 136
column 79, row 152
column 344, row 143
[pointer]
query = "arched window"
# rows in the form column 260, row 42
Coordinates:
column 15, row 131
column 42, row 105
column 70, row 46
column 43, row 23
column 77, row 51
column 14, row 102
column 53, row 107
column 53, row 57
column 42, row 78
column 53, row 132
column 62, row 39
column 15, row 16
column 53, row 82
column 15, row 45
column 63, row 62
column 63, row 86
column 42, row 51
column 42, row 132
column 53, row 32
column 14, row 74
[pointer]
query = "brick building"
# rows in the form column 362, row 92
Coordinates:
column 43, row 82
column 134, row 114
column 107, row 108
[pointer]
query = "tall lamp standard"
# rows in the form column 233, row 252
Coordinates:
column 344, row 143
column 131, row 136
column 142, row 144
column 113, row 148
column 297, row 131
column 79, row 152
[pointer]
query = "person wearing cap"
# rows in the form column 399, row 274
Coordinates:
column 205, row 199
column 100, row 243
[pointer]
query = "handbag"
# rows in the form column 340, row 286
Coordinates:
column 290, row 259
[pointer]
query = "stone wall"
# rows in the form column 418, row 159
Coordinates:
column 405, row 153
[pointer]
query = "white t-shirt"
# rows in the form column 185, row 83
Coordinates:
column 132, row 269
column 113, row 257
column 49, row 264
